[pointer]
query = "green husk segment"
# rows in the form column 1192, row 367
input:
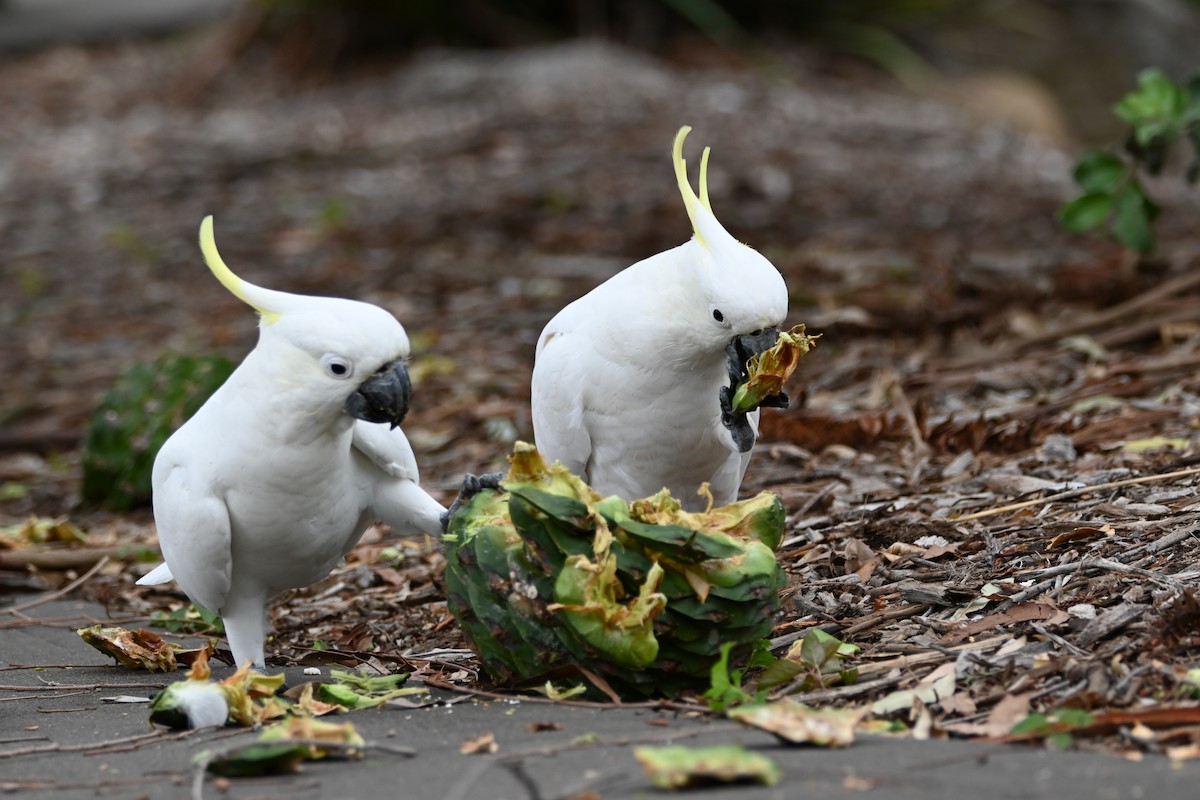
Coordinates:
column 770, row 369
column 691, row 767
column 548, row 578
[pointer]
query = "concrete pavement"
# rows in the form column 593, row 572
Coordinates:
column 63, row 737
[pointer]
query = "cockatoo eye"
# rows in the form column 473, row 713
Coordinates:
column 719, row 317
column 336, row 366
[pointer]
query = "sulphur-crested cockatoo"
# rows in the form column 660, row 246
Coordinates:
column 631, row 382
column 277, row 476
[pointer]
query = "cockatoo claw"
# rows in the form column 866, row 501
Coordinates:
column 472, row 485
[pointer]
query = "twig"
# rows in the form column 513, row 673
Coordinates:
column 842, row 692
column 109, row 746
column 25, row 739
column 68, row 622
column 1071, row 493
column 55, row 559
column 1027, row 594
column 81, row 687
column 900, row 399
column 7, row 786
column 1157, row 545
column 70, row 587
column 41, row 696
column 673, row 705
column 889, row 615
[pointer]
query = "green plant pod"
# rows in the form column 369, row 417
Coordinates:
column 137, row 414
column 547, row 577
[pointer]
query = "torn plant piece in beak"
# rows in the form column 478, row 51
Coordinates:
column 745, row 347
column 384, row 397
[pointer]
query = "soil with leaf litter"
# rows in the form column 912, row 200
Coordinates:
column 989, row 462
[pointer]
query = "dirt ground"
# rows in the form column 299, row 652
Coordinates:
column 989, row 463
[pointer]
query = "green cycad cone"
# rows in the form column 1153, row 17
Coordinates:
column 547, row 576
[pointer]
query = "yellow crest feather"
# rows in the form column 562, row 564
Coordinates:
column 690, row 200
column 236, row 286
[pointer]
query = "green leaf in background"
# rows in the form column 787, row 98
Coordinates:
column 1100, row 171
column 1086, row 212
column 141, row 409
column 1133, row 213
column 1160, row 113
column 1154, row 108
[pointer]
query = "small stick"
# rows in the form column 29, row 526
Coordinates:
column 81, row 687
column 1071, row 493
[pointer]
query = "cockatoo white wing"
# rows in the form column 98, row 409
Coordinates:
column 559, row 385
column 388, row 450
column 194, row 533
column 397, row 497
column 157, row 576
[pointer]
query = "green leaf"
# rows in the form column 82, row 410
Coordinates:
column 1034, row 723
column 726, row 686
column 1156, row 103
column 1086, row 212
column 1133, row 213
column 779, row 673
column 685, row 767
column 256, row 759
column 1100, row 172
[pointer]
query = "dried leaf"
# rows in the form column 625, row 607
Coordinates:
column 937, row 685
column 799, row 724
column 480, row 745
column 1018, row 613
column 138, row 649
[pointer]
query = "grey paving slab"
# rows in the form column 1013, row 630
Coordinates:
column 527, row 764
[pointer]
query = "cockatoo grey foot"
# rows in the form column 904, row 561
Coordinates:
column 472, row 485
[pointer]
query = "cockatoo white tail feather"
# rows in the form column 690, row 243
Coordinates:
column 277, row 476
column 630, row 381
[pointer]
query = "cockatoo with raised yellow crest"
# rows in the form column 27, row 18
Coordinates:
column 277, row 476
column 632, row 382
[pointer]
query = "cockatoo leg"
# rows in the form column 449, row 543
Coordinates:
column 472, row 485
column 245, row 618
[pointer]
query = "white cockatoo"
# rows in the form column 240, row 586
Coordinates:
column 277, row 476
column 632, row 382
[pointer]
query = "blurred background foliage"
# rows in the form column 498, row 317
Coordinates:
column 1084, row 52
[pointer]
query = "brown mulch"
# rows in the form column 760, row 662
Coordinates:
column 990, row 463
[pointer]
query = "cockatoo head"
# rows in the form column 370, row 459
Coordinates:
column 337, row 355
column 732, row 295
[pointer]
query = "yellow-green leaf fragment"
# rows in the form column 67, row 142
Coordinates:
column 352, row 690
column 255, row 759
column 770, row 369
column 320, row 738
column 284, row 746
column 40, row 530
column 688, row 767
column 797, row 723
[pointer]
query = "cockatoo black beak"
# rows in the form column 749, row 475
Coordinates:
column 742, row 348
column 383, row 397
